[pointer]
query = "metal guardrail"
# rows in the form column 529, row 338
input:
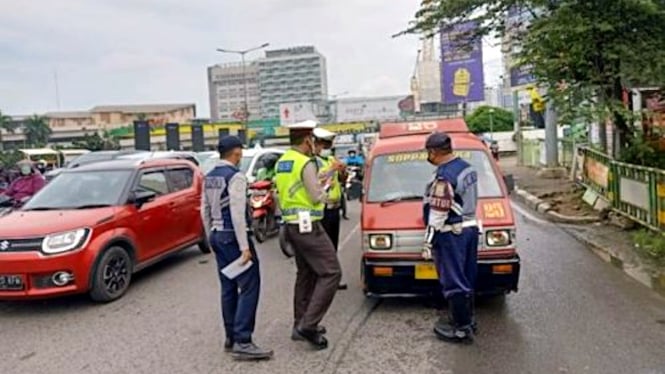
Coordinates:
column 636, row 192
column 532, row 149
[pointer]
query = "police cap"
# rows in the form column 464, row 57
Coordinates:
column 323, row 134
column 438, row 140
column 228, row 143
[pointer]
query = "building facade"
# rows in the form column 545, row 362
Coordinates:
column 291, row 75
column 226, row 85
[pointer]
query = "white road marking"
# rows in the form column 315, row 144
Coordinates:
column 348, row 238
column 529, row 215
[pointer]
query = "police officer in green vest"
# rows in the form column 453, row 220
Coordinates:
column 302, row 201
column 331, row 172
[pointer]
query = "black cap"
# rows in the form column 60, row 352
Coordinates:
column 438, row 140
column 228, row 143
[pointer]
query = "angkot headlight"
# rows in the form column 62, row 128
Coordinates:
column 380, row 241
column 498, row 238
column 65, row 241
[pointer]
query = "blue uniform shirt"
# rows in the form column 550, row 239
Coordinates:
column 463, row 181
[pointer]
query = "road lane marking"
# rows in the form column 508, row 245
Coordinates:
column 348, row 237
column 528, row 215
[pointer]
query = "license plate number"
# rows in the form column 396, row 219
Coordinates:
column 426, row 271
column 11, row 282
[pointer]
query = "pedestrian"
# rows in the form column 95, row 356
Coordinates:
column 226, row 217
column 452, row 235
column 302, row 200
column 331, row 172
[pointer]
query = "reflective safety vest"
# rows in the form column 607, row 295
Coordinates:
column 293, row 196
column 325, row 172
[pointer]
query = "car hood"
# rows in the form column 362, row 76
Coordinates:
column 39, row 223
column 408, row 215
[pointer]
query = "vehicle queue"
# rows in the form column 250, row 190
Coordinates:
column 79, row 234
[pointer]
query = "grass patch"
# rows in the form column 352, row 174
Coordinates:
column 650, row 246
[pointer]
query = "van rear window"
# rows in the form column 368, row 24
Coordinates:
column 405, row 175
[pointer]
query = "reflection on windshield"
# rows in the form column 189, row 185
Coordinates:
column 73, row 190
column 401, row 176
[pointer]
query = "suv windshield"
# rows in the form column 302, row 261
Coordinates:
column 402, row 176
column 73, row 190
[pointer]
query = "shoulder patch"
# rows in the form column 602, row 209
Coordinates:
column 470, row 178
column 285, row 166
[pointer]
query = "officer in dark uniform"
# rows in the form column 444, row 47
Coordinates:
column 452, row 235
column 226, row 218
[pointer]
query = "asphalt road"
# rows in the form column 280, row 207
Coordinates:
column 573, row 314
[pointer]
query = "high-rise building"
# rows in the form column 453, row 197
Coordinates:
column 293, row 75
column 226, row 85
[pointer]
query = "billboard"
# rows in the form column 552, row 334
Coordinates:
column 296, row 112
column 368, row 109
column 462, row 77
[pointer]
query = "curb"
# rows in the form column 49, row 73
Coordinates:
column 636, row 272
column 544, row 207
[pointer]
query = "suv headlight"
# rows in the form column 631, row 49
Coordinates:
column 380, row 241
column 498, row 238
column 64, row 241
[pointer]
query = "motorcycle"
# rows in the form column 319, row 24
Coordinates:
column 354, row 184
column 262, row 203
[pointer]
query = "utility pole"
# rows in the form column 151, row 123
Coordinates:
column 245, row 114
column 491, row 111
column 551, row 136
column 516, row 126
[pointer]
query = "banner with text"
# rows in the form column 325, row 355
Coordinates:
column 462, row 64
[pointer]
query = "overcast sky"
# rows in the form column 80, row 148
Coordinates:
column 156, row 51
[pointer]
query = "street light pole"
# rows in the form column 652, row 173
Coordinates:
column 491, row 123
column 244, row 79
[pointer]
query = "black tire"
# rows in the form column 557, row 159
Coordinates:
column 204, row 244
column 260, row 228
column 284, row 244
column 112, row 275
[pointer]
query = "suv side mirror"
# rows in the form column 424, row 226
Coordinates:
column 510, row 182
column 139, row 198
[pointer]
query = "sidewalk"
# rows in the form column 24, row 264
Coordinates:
column 561, row 201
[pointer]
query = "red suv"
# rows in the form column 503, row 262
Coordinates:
column 92, row 227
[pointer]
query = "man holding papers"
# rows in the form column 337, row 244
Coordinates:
column 226, row 218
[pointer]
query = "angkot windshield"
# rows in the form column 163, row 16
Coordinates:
column 401, row 176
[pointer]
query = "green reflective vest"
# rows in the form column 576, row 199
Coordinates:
column 325, row 172
column 293, row 196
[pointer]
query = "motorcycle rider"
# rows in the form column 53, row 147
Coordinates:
column 27, row 184
column 353, row 159
column 267, row 173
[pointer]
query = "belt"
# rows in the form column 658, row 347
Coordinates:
column 463, row 224
column 333, row 206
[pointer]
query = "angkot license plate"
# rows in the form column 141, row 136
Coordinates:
column 426, row 270
column 11, row 282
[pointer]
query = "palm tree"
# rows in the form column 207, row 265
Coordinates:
column 37, row 131
column 6, row 124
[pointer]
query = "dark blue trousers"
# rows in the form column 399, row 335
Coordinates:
column 240, row 296
column 456, row 259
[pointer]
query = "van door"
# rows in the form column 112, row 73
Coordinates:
column 186, row 204
column 155, row 228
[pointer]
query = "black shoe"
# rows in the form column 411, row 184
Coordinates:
column 228, row 345
column 297, row 337
column 345, row 217
column 342, row 286
column 453, row 334
column 250, row 351
column 459, row 327
column 314, row 338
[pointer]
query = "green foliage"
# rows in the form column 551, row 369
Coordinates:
column 37, row 131
column 7, row 125
column 95, row 142
column 639, row 152
column 10, row 158
column 479, row 120
column 650, row 246
column 585, row 51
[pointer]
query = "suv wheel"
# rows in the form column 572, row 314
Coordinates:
column 112, row 275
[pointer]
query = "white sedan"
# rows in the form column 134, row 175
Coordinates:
column 250, row 163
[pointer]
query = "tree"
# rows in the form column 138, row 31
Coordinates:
column 95, row 142
column 479, row 120
column 586, row 52
column 7, row 125
column 37, row 131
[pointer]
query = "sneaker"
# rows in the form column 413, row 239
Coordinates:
column 342, row 286
column 250, row 351
column 314, row 338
